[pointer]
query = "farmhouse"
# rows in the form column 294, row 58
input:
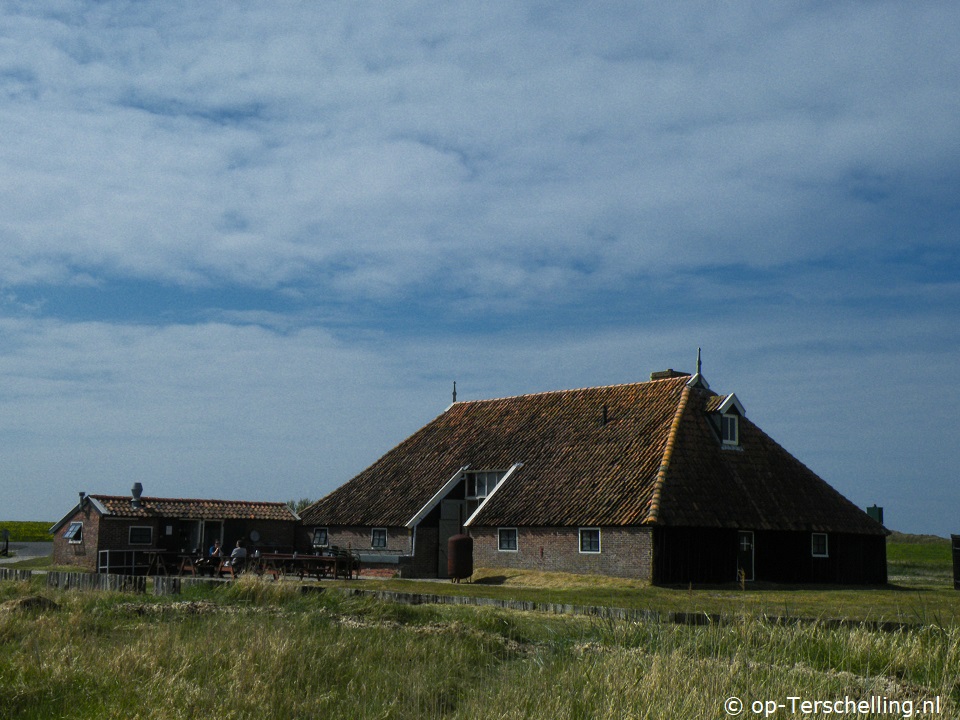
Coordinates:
column 663, row 480
column 131, row 534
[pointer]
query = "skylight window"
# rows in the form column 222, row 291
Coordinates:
column 74, row 533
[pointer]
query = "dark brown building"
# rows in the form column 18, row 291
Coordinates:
column 662, row 480
column 121, row 534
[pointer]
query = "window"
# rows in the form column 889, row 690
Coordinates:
column 507, row 541
column 141, row 536
column 74, row 533
column 320, row 537
column 378, row 538
column 589, row 540
column 818, row 545
column 479, row 486
column 730, row 427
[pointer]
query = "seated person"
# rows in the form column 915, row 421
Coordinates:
column 238, row 556
column 215, row 551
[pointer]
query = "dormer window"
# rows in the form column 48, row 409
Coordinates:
column 725, row 418
column 730, row 429
column 479, row 486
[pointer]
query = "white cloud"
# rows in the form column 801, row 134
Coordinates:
column 491, row 167
column 258, row 146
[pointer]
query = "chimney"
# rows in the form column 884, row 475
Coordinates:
column 83, row 499
column 667, row 374
column 136, row 492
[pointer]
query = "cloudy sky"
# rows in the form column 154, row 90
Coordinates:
column 246, row 248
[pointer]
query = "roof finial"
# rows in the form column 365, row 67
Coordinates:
column 698, row 361
column 454, row 390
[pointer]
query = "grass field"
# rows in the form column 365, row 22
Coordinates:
column 28, row 531
column 265, row 650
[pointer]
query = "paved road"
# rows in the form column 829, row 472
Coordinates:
column 26, row 550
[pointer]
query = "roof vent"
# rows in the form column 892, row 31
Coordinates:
column 667, row 374
column 136, row 491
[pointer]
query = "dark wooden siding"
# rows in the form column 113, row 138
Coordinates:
column 698, row 555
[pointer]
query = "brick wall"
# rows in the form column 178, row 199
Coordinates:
column 84, row 554
column 358, row 539
column 399, row 540
column 624, row 552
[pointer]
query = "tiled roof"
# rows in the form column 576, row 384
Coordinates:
column 190, row 509
column 757, row 486
column 656, row 460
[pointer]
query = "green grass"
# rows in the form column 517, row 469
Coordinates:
column 265, row 650
column 29, row 531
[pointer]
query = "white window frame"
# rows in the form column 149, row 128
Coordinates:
column 148, row 528
column 734, row 423
column 826, row 545
column 516, row 539
column 489, row 476
column 373, row 536
column 74, row 533
column 326, row 537
column 580, row 533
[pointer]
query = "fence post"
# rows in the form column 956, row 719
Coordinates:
column 166, row 585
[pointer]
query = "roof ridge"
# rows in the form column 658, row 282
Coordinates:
column 684, row 378
column 192, row 500
column 652, row 516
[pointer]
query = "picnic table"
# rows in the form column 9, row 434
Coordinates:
column 198, row 564
column 160, row 562
column 341, row 564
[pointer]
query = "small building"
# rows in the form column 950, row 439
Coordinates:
column 109, row 533
column 663, row 480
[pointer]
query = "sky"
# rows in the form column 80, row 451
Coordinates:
column 247, row 248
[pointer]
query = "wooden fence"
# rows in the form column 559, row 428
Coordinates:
column 174, row 585
column 14, row 574
column 91, row 581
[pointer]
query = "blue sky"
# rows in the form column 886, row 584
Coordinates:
column 247, row 248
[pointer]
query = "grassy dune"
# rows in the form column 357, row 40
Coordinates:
column 264, row 650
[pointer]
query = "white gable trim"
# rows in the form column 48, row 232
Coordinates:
column 732, row 402
column 438, row 496
column 513, row 468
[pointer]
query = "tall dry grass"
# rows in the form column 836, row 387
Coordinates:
column 264, row 650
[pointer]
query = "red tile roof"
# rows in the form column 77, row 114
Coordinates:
column 191, row 509
column 656, row 460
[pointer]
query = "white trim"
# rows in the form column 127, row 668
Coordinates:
column 732, row 401
column 139, row 527
column 437, row 497
column 698, row 380
column 735, row 419
column 826, row 545
column 516, row 540
column 580, row 541
column 71, row 538
column 386, row 539
column 313, row 536
column 513, row 468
